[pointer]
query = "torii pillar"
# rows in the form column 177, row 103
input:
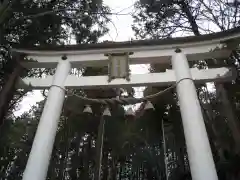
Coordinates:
column 198, row 147
column 40, row 155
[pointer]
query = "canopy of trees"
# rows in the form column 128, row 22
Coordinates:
column 150, row 145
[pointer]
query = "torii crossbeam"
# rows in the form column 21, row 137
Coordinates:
column 176, row 51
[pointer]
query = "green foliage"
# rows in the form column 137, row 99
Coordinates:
column 16, row 140
column 45, row 23
column 133, row 148
column 184, row 17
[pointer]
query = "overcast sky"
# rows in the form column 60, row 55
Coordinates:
column 121, row 22
column 121, row 32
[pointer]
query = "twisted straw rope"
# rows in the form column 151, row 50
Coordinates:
column 122, row 101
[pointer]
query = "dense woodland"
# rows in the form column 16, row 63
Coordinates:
column 150, row 145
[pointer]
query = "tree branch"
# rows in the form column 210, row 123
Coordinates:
column 191, row 19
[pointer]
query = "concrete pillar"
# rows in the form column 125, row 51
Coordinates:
column 199, row 151
column 40, row 155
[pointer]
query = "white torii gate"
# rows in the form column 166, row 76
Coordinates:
column 176, row 51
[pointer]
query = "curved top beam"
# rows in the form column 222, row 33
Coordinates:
column 180, row 42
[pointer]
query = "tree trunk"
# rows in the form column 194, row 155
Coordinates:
column 7, row 92
column 113, row 170
column 120, row 170
column 99, row 146
column 215, row 134
column 105, row 171
column 180, row 140
column 228, row 112
column 191, row 19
